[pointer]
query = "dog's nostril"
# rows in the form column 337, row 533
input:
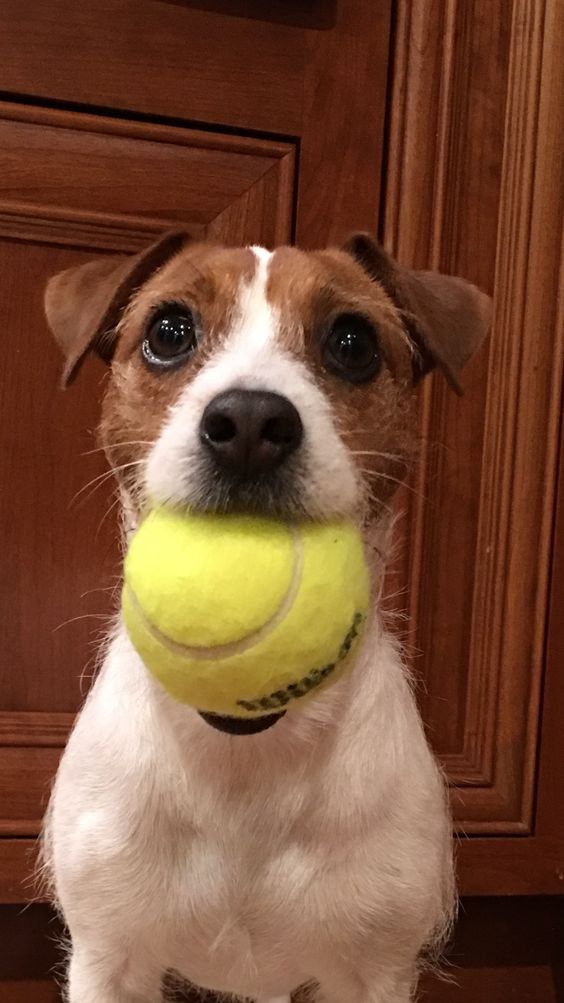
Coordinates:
column 220, row 428
column 281, row 430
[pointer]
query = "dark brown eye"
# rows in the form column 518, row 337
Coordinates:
column 171, row 336
column 351, row 349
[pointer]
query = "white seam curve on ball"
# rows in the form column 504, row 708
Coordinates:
column 231, row 647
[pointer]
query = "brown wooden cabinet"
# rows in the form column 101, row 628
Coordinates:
column 274, row 156
column 438, row 124
column 475, row 186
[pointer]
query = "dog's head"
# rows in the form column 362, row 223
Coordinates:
column 279, row 383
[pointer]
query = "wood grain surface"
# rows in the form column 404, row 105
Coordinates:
column 247, row 124
column 474, row 187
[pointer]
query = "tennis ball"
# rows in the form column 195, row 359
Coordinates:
column 240, row 616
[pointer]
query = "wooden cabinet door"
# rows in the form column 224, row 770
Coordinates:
column 122, row 119
column 79, row 185
column 475, row 187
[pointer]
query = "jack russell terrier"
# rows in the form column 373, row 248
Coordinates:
column 317, row 852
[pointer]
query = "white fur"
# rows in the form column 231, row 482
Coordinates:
column 316, row 851
column 257, row 320
column 251, row 359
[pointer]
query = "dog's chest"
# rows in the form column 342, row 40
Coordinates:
column 244, row 898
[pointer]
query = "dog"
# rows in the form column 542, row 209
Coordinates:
column 318, row 851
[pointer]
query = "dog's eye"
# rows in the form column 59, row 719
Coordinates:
column 171, row 336
column 351, row 349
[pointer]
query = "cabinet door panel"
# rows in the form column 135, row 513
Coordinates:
column 71, row 187
column 87, row 181
column 475, row 189
column 163, row 58
column 107, row 176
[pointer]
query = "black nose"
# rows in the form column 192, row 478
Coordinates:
column 250, row 432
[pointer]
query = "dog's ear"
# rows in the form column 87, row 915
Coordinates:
column 84, row 304
column 446, row 317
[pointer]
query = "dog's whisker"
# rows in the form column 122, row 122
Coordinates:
column 381, row 475
column 81, row 616
column 106, row 475
column 398, row 593
column 103, row 588
column 376, row 452
column 100, row 478
column 372, row 498
column 394, row 480
column 117, row 444
column 111, row 508
column 92, row 666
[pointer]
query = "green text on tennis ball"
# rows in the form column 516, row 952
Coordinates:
column 242, row 616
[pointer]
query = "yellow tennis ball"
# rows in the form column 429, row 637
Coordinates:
column 240, row 616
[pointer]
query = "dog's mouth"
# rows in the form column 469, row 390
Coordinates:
column 241, row 725
column 276, row 494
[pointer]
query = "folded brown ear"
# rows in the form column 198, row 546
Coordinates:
column 84, row 304
column 447, row 317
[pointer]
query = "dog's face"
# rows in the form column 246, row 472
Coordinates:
column 280, row 383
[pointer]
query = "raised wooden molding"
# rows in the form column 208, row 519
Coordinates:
column 132, row 129
column 30, row 745
column 438, row 96
column 73, row 228
column 271, row 196
column 261, row 177
column 35, row 729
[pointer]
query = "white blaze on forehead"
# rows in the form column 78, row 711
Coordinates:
column 261, row 253
column 256, row 321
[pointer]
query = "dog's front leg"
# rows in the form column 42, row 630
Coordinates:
column 104, row 976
